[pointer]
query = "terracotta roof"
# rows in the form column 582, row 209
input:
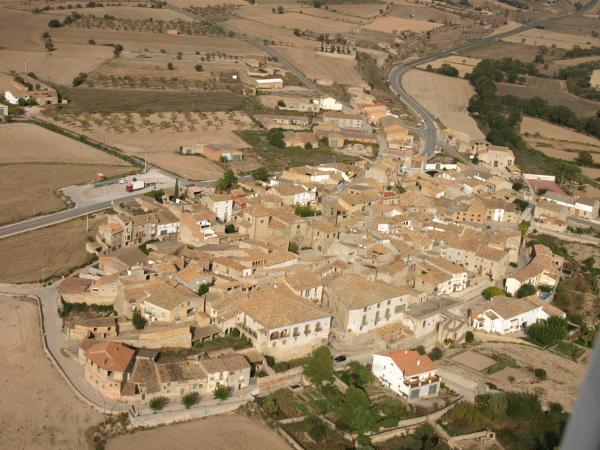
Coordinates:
column 410, row 362
column 74, row 285
column 226, row 363
column 110, row 356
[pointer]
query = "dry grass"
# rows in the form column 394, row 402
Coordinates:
column 56, row 249
column 537, row 37
column 391, row 24
column 192, row 167
column 445, row 97
column 218, row 432
column 463, row 64
column 39, row 410
column 553, row 91
column 534, row 126
column 575, row 61
column 579, row 25
column 322, row 66
column 134, row 12
column 501, row 49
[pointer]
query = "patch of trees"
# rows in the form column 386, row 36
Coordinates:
column 506, row 69
column 227, row 181
column 275, row 137
column 500, row 118
column 578, row 80
column 548, row 333
column 306, row 211
column 260, row 174
column 577, row 52
column 445, row 69
column 80, row 79
column 516, row 3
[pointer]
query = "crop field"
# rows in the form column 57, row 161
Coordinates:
column 536, row 37
column 553, row 91
column 423, row 13
column 445, row 97
column 508, row 26
column 463, row 64
column 322, row 66
column 391, row 24
column 40, row 403
column 502, row 49
column 360, row 11
column 35, row 163
column 57, row 249
column 579, row 25
column 547, row 130
column 133, row 12
column 575, row 61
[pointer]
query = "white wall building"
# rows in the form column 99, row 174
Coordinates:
column 407, row 373
column 330, row 104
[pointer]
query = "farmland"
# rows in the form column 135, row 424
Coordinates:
column 52, row 251
column 537, row 37
column 445, row 97
column 32, row 174
column 501, row 49
column 463, row 64
column 553, row 91
column 394, row 24
column 40, row 403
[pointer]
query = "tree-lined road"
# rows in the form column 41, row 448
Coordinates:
column 431, row 129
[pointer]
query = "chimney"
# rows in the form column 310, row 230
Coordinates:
column 418, row 362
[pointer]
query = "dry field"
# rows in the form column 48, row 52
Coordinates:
column 501, row 49
column 579, row 25
column 463, row 64
column 35, row 163
column 56, row 249
column 218, row 432
column 548, row 38
column 361, row 11
column 391, row 24
column 133, row 12
column 22, row 44
column 591, row 172
column 445, row 97
column 201, row 3
column 421, row 12
column 553, row 91
column 322, row 66
column 574, row 61
column 157, row 137
column 508, row 26
column 38, row 410
column 561, row 386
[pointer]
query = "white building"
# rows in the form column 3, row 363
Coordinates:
column 407, row 373
column 10, row 98
column 330, row 104
column 221, row 205
column 504, row 315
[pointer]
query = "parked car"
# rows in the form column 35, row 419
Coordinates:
column 339, row 359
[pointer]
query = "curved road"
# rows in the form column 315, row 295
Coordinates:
column 431, row 128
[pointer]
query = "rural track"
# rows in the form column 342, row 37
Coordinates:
column 431, row 128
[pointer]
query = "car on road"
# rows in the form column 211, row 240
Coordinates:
column 339, row 359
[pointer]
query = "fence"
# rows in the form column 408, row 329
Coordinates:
column 280, row 380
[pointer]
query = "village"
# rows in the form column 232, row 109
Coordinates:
column 313, row 225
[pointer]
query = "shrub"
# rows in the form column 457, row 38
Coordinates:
column 549, row 333
column 91, row 42
column 420, row 350
column 230, row 228
column 270, row 361
column 198, row 67
column 540, row 374
column 319, row 366
column 526, row 290
column 435, row 354
column 139, row 322
column 492, row 291
column 170, row 66
column 158, row 403
column 469, row 337
column 54, row 23
column 189, row 400
column 222, row 392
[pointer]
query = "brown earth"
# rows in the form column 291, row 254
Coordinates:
column 501, row 49
column 217, row 432
column 50, row 251
column 445, row 97
column 536, row 37
column 390, row 24
column 38, row 410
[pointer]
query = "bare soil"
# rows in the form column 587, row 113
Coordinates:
column 217, row 432
column 39, row 410
column 445, row 97
column 50, row 251
column 537, row 37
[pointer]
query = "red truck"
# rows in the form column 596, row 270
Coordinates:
column 135, row 186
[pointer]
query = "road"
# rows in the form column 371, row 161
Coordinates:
column 431, row 128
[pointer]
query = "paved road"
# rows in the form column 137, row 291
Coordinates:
column 431, row 131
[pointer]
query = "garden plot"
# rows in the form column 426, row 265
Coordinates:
column 474, row 360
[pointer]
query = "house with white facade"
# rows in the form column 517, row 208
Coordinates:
column 294, row 194
column 221, row 205
column 542, row 270
column 330, row 104
column 407, row 373
column 504, row 315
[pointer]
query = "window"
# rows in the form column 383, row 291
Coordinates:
column 399, row 308
column 433, row 389
column 414, row 394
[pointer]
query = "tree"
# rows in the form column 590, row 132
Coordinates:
column 491, row 291
column 80, row 79
column 518, row 185
column 54, row 23
column 170, row 66
column 139, row 322
column 293, row 247
column 280, row 103
column 526, row 290
column 549, row 333
column 260, row 174
column 275, row 137
column 435, row 354
column 420, row 350
column 176, row 189
column 118, row 49
column 360, row 375
column 222, row 392
column 524, row 227
column 319, row 366
column 189, row 400
column 158, row 403
column 198, row 67
column 585, row 159
column 230, row 228
column 355, row 412
column 469, row 337
column 540, row 374
column 204, row 288
column 91, row 42
column 226, row 181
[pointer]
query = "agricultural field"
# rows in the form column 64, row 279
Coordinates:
column 37, row 163
column 463, row 64
column 578, row 25
column 338, row 69
column 562, row 383
column 575, row 61
column 132, row 12
column 553, row 91
column 52, row 251
column 157, row 137
column 218, row 432
column 445, row 97
column 537, row 37
column 501, row 49
column 41, row 404
column 392, row 25
column 422, row 13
